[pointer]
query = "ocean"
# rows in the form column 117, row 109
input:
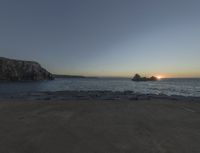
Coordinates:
column 183, row 86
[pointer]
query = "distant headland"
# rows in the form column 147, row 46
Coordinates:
column 137, row 77
column 68, row 76
column 73, row 76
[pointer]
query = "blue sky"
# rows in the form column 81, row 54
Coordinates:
column 104, row 37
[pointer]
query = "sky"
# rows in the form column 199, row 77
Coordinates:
column 104, row 37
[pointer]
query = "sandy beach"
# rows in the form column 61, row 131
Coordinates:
column 149, row 125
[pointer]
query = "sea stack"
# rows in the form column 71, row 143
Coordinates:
column 18, row 70
column 137, row 77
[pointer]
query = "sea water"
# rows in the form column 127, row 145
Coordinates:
column 185, row 87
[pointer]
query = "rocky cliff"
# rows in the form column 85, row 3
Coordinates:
column 18, row 70
column 137, row 77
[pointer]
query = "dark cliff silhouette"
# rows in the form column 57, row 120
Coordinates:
column 18, row 70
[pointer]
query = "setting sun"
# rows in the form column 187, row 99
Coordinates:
column 159, row 77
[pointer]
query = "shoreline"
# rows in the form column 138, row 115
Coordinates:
column 95, row 95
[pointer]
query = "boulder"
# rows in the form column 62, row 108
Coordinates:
column 18, row 70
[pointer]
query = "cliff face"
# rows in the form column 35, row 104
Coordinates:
column 17, row 70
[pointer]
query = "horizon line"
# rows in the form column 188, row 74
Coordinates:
column 96, row 76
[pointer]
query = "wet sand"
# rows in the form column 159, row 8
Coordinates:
column 99, row 126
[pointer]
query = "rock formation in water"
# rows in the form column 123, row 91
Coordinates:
column 18, row 70
column 137, row 77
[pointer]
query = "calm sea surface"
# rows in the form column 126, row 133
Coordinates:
column 186, row 87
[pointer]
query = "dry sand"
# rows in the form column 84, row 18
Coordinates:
column 143, row 126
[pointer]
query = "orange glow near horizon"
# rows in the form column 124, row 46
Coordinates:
column 159, row 77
